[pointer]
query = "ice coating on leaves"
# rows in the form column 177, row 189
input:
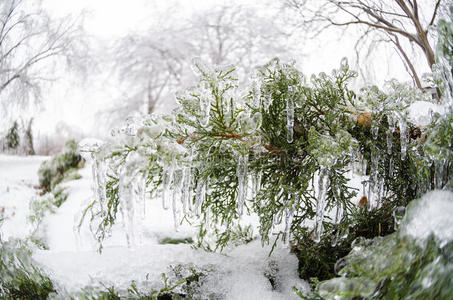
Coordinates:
column 323, row 184
column 430, row 214
column 241, row 173
column 200, row 68
column 205, row 109
column 256, row 91
column 249, row 124
column 257, row 120
column 289, row 118
column 89, row 146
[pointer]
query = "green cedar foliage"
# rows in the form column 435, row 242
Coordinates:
column 283, row 132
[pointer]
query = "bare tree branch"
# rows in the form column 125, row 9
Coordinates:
column 395, row 18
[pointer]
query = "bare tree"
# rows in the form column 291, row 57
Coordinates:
column 238, row 35
column 151, row 66
column 31, row 46
column 407, row 24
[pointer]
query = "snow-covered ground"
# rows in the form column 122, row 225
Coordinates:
column 72, row 261
column 18, row 175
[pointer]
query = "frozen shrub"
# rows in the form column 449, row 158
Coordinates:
column 60, row 166
column 12, row 137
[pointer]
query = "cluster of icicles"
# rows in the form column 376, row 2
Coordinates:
column 178, row 184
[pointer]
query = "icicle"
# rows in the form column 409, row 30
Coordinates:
column 289, row 118
column 398, row 215
column 338, row 217
column 323, row 184
column 256, row 184
column 186, row 188
column 374, row 173
column 339, row 213
column 354, row 155
column 177, row 193
column 127, row 206
column 140, row 191
column 363, row 166
column 200, row 195
column 241, row 172
column 403, row 137
column 289, row 213
column 167, row 176
column 391, row 166
column 389, row 141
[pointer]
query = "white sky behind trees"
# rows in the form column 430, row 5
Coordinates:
column 106, row 20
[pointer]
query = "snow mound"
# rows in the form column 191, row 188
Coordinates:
column 431, row 214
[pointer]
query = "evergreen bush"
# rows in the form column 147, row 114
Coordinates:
column 62, row 166
column 12, row 137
